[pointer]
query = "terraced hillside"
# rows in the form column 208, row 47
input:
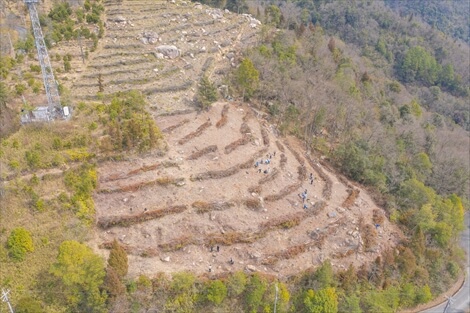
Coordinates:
column 171, row 212
column 205, row 41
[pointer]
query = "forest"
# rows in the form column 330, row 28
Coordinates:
column 380, row 89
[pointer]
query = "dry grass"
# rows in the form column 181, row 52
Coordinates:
column 245, row 129
column 253, row 203
column 318, row 207
column 378, row 217
column 223, row 117
column 173, row 127
column 283, row 160
column 239, row 142
column 284, row 192
column 289, row 189
column 286, row 254
column 195, row 133
column 284, row 222
column 128, row 220
column 369, row 236
column 271, row 176
column 143, row 169
column 351, row 198
column 215, row 174
column 265, row 136
column 227, row 172
column 142, row 252
column 280, row 146
column 177, row 244
column 196, row 155
column 254, row 189
column 202, row 206
column 162, row 181
column 340, row 255
column 302, row 173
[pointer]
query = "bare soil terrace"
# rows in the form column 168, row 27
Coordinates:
column 205, row 191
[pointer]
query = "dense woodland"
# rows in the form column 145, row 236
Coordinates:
column 380, row 89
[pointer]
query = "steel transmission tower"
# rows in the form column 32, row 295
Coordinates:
column 50, row 84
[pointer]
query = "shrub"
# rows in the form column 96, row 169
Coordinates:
column 118, row 259
column 19, row 242
column 216, row 292
column 20, row 89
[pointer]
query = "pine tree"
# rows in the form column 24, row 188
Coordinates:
column 118, row 259
column 207, row 93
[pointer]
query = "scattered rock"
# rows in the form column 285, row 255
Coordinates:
column 148, row 37
column 165, row 259
column 168, row 51
column 118, row 19
column 251, row 268
column 332, row 214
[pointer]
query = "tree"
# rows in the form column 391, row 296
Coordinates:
column 118, row 259
column 81, row 274
column 324, row 275
column 247, row 78
column 254, row 293
column 237, row 6
column 113, row 284
column 216, row 292
column 206, row 93
column 322, row 301
column 273, row 15
column 418, row 64
column 19, row 243
column 236, row 284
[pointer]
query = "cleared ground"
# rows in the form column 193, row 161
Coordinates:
column 206, row 191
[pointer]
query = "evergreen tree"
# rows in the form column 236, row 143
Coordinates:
column 207, row 93
column 118, row 259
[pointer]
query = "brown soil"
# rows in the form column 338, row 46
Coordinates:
column 221, row 199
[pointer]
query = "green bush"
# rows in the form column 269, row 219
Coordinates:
column 19, row 243
column 216, row 292
column 20, row 89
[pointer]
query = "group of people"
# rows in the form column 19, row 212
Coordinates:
column 266, row 161
column 217, row 249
